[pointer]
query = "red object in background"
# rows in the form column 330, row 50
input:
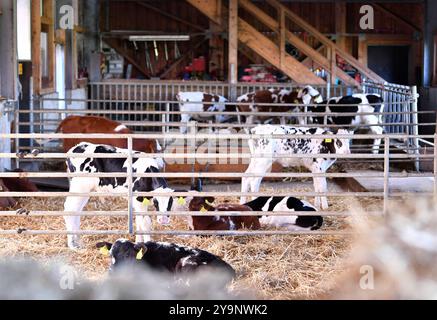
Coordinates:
column 358, row 77
column 189, row 68
column 199, row 64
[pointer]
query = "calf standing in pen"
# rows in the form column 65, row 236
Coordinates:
column 163, row 256
column 193, row 104
column 360, row 104
column 304, row 96
column 291, row 204
column 265, row 150
column 114, row 185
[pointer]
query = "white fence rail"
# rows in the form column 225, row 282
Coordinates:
column 386, row 195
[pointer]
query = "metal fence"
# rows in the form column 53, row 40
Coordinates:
column 386, row 157
column 150, row 106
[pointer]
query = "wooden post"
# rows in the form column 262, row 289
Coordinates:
column 216, row 45
column 362, row 50
column 340, row 24
column 36, row 46
column 333, row 64
column 233, row 45
column 282, row 36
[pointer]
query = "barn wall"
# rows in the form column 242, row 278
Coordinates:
column 129, row 15
column 8, row 60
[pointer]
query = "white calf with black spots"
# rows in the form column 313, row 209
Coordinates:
column 360, row 104
column 113, row 185
column 264, row 153
column 286, row 204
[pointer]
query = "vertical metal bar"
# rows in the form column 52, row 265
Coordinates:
column 415, row 125
column 386, row 173
column 130, row 185
column 435, row 165
column 17, row 130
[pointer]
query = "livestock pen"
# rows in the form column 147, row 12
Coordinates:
column 275, row 263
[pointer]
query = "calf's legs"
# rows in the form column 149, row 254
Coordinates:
column 257, row 166
column 72, row 223
column 185, row 118
column 320, row 185
column 143, row 223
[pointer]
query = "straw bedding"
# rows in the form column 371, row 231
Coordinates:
column 271, row 267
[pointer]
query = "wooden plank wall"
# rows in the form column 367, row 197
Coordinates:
column 128, row 15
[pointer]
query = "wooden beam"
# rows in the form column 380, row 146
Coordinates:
column 340, row 24
column 36, row 46
column 332, row 64
column 216, row 50
column 297, row 42
column 171, row 16
column 397, row 17
column 233, row 42
column 269, row 51
column 211, row 8
column 362, row 50
column 282, row 35
column 50, row 13
column 326, row 41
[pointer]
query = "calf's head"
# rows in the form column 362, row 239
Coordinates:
column 122, row 252
column 202, row 204
column 309, row 95
column 338, row 145
column 163, row 204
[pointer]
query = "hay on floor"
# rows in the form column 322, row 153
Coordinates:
column 273, row 267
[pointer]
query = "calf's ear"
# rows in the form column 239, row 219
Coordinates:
column 104, row 247
column 141, row 250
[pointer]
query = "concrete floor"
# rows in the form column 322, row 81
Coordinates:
column 410, row 184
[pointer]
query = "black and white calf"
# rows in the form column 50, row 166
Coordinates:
column 285, row 204
column 163, row 256
column 114, row 185
column 193, row 104
column 360, row 104
column 264, row 153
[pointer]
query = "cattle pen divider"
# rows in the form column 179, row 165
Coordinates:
column 129, row 155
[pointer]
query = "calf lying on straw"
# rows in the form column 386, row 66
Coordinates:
column 290, row 204
column 204, row 204
column 163, row 256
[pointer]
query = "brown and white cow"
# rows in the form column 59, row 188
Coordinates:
column 304, row 96
column 220, row 222
column 193, row 104
column 92, row 124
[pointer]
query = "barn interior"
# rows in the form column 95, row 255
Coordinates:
column 127, row 60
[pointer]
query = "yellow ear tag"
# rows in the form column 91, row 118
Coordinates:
column 328, row 140
column 146, row 201
column 203, row 209
column 140, row 254
column 208, row 203
column 104, row 250
column 181, row 201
